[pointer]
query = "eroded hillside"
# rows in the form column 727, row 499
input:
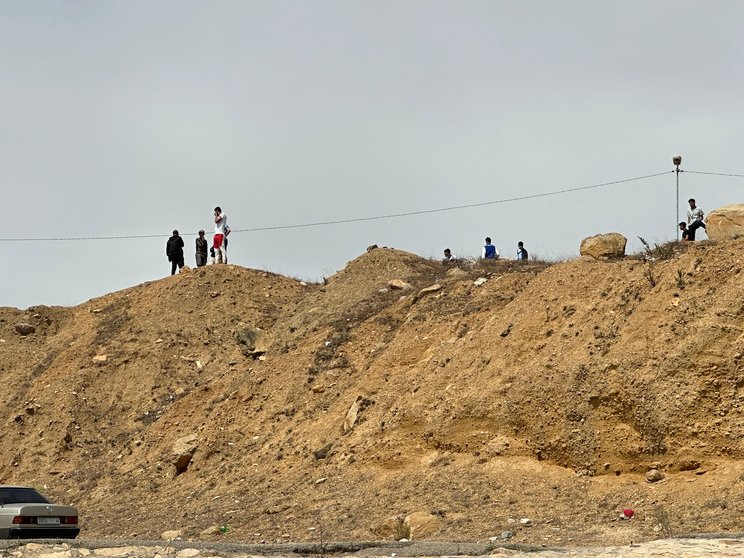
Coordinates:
column 547, row 392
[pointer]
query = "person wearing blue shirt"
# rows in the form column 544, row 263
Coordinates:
column 489, row 251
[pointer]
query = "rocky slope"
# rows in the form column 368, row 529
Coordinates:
column 546, row 392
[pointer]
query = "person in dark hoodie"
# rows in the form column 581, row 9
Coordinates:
column 201, row 249
column 174, row 251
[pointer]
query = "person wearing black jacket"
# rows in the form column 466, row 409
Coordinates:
column 174, row 251
column 201, row 250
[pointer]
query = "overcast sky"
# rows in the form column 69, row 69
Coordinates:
column 138, row 117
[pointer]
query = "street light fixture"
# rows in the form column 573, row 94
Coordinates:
column 677, row 161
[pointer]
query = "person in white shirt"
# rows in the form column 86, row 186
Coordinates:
column 694, row 219
column 220, row 227
column 449, row 257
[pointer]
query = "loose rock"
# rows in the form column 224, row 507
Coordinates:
column 428, row 290
column 456, row 272
column 399, row 284
column 252, row 340
column 210, row 531
column 322, row 453
column 422, row 524
column 25, row 329
column 171, row 535
column 351, row 415
column 183, row 451
column 654, row 475
column 390, row 528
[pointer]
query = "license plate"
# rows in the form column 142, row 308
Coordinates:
column 47, row 520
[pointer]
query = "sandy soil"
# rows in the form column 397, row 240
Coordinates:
column 548, row 392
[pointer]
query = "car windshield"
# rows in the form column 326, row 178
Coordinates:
column 21, row 496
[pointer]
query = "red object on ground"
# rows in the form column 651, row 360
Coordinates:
column 628, row 513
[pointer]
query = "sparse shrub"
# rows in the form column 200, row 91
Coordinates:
column 402, row 531
column 663, row 520
column 649, row 275
column 659, row 251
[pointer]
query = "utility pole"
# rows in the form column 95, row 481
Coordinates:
column 677, row 161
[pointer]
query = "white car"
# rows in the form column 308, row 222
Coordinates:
column 26, row 514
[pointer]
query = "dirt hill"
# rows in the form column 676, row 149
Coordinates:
column 547, row 392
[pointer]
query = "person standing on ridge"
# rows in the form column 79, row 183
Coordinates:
column 694, row 219
column 227, row 234
column 489, row 251
column 201, row 249
column 220, row 225
column 521, row 251
column 174, row 251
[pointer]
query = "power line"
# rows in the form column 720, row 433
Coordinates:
column 454, row 207
column 713, row 173
column 356, row 219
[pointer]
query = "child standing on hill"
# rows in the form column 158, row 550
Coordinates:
column 201, row 250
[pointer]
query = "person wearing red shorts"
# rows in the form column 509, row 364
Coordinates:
column 220, row 227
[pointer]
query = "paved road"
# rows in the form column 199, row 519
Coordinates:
column 667, row 548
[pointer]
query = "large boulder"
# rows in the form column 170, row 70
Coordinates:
column 726, row 222
column 252, row 340
column 422, row 524
column 391, row 528
column 601, row 246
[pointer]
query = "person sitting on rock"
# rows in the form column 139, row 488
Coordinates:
column 489, row 251
column 449, row 257
column 685, row 231
column 694, row 218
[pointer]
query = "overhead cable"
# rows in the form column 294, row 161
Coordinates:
column 452, row 208
column 354, row 219
column 712, row 173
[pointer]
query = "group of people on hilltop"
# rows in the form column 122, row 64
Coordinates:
column 694, row 222
column 218, row 250
column 488, row 252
